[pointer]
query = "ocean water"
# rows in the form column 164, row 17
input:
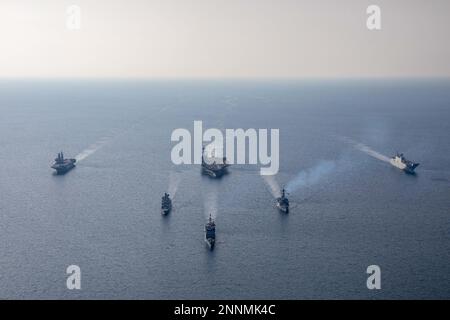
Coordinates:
column 349, row 208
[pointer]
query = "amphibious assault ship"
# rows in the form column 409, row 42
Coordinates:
column 402, row 163
column 166, row 204
column 210, row 233
column 283, row 202
column 214, row 167
column 62, row 165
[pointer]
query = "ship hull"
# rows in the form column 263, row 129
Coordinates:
column 214, row 173
column 64, row 170
column 64, row 166
column 165, row 211
column 283, row 209
column 210, row 243
column 410, row 169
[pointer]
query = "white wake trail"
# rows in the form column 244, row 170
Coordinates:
column 91, row 149
column 211, row 203
column 273, row 185
column 366, row 149
column 174, row 181
column 371, row 152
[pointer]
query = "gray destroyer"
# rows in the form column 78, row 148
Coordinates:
column 63, row 165
column 402, row 163
column 283, row 202
column 166, row 204
column 210, row 233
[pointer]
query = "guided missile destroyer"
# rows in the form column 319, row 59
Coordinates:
column 166, row 204
column 62, row 165
column 283, row 202
column 210, row 233
column 213, row 167
column 402, row 163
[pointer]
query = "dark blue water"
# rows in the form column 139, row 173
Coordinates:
column 104, row 216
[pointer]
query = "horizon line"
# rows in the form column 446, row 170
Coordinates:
column 225, row 78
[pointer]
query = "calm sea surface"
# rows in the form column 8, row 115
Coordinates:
column 105, row 215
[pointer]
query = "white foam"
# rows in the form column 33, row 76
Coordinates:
column 91, row 149
column 174, row 181
column 211, row 202
column 371, row 152
column 273, row 185
column 366, row 149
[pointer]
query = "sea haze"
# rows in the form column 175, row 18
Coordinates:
column 349, row 208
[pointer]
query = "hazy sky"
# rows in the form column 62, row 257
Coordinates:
column 224, row 38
